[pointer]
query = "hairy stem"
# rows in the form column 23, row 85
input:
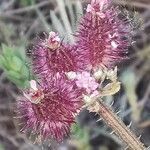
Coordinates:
column 119, row 127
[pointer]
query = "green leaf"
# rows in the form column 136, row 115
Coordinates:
column 16, row 63
column 17, row 82
column 20, row 52
column 25, row 72
column 13, row 61
column 7, row 51
column 78, row 132
column 1, row 147
column 25, row 2
column 14, row 74
column 2, row 61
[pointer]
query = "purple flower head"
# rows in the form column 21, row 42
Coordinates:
column 48, row 110
column 103, row 35
column 51, row 55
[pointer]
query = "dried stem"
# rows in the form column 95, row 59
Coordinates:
column 119, row 127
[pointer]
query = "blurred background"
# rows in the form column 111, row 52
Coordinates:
column 21, row 21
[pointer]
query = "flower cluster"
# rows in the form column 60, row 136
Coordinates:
column 69, row 73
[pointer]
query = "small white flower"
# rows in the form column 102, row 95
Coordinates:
column 114, row 44
column 34, row 94
column 33, row 85
column 89, row 8
column 71, row 75
column 53, row 41
column 54, row 36
column 86, row 81
column 96, row 6
column 98, row 74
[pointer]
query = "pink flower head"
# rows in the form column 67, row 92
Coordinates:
column 50, row 55
column 86, row 81
column 105, row 40
column 54, row 114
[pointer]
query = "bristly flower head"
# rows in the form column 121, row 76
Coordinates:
column 103, row 34
column 51, row 55
column 48, row 110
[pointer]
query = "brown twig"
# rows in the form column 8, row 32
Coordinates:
column 119, row 127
